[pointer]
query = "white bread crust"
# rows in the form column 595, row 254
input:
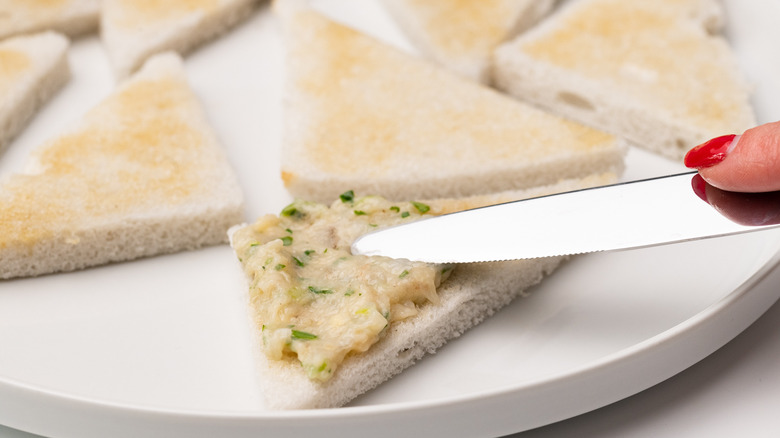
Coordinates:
column 73, row 18
column 604, row 103
column 471, row 294
column 50, row 71
column 129, row 47
column 199, row 220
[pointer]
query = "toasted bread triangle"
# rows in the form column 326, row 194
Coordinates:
column 133, row 30
column 461, row 35
column 140, row 174
column 70, row 17
column 650, row 71
column 364, row 116
column 32, row 69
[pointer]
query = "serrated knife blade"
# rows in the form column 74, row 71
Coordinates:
column 637, row 214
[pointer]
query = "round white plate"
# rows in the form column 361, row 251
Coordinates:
column 156, row 347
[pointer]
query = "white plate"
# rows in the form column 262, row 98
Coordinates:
column 155, row 347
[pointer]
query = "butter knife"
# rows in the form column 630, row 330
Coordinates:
column 656, row 211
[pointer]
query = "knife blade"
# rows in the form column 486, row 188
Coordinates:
column 655, row 211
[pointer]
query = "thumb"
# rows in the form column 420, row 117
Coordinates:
column 746, row 163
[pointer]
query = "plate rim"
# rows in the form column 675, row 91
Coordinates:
column 65, row 412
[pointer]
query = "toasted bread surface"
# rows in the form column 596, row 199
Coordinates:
column 651, row 72
column 364, row 116
column 70, row 17
column 462, row 34
column 141, row 174
column 133, row 30
column 32, row 69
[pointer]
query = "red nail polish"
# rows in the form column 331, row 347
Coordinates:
column 699, row 187
column 709, row 153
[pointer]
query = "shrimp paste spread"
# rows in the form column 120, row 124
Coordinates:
column 315, row 301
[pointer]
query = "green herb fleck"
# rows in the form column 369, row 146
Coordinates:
column 347, row 196
column 279, row 267
column 360, row 213
column 319, row 291
column 253, row 244
column 298, row 261
column 373, row 225
column 349, row 292
column 395, row 208
column 291, row 210
column 309, row 252
column 288, row 230
column 287, row 240
column 403, row 274
column 405, row 214
column 422, row 208
column 297, row 334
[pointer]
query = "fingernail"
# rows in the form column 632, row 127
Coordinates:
column 699, row 187
column 710, row 153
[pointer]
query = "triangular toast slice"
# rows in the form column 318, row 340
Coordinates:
column 363, row 116
column 140, row 174
column 32, row 69
column 70, row 17
column 654, row 72
column 310, row 300
column 461, row 35
column 133, row 30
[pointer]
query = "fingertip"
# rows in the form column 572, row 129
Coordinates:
column 751, row 164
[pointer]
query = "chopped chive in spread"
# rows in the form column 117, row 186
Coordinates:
column 403, row 274
column 287, row 240
column 347, row 196
column 395, row 208
column 279, row 267
column 322, row 367
column 319, row 291
column 297, row 334
column 291, row 210
column 298, row 261
column 422, row 208
column 359, row 212
column 263, row 328
column 288, row 230
column 309, row 252
column 349, row 292
column 405, row 214
column 254, row 244
column 373, row 225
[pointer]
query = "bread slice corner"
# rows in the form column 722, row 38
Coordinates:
column 472, row 293
column 461, row 36
column 656, row 73
column 32, row 69
column 140, row 174
column 69, row 17
column 133, row 31
column 363, row 116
